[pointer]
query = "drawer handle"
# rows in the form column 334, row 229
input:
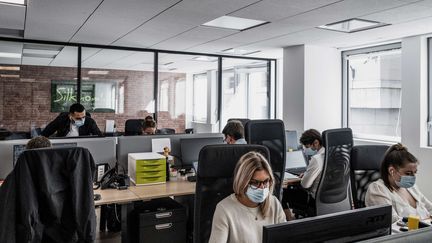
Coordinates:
column 163, row 226
column 163, row 215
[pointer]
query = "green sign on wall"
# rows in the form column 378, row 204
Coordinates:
column 64, row 94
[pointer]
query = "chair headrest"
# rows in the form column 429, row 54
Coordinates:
column 367, row 157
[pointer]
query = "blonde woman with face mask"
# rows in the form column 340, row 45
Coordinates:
column 397, row 186
column 241, row 216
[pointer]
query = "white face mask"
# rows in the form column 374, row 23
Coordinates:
column 310, row 152
column 258, row 195
column 79, row 123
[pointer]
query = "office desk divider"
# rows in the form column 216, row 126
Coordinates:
column 102, row 149
column 143, row 143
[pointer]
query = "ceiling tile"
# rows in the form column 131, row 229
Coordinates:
column 109, row 23
column 12, row 16
column 184, row 16
column 56, row 20
column 273, row 10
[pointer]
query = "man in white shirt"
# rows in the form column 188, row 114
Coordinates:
column 234, row 133
column 312, row 141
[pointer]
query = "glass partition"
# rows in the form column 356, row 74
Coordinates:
column 117, row 85
column 31, row 90
column 187, row 93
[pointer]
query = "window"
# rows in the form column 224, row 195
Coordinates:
column 245, row 89
column 372, row 92
column 200, row 97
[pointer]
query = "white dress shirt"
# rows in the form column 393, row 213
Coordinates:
column 313, row 171
column 379, row 194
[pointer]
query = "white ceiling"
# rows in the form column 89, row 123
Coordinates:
column 176, row 25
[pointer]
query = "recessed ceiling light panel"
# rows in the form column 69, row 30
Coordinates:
column 19, row 2
column 235, row 51
column 235, row 23
column 352, row 25
column 205, row 58
column 10, row 55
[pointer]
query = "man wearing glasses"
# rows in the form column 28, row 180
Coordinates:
column 72, row 124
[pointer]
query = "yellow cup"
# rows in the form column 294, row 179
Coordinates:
column 413, row 222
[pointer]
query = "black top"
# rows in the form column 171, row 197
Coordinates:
column 61, row 126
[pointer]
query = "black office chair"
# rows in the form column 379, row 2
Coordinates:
column 134, row 127
column 334, row 192
column 103, row 110
column 189, row 130
column 242, row 120
column 215, row 182
column 165, row 131
column 270, row 133
column 48, row 197
column 365, row 169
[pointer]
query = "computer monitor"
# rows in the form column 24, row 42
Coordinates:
column 295, row 162
column 291, row 140
column 190, row 148
column 346, row 226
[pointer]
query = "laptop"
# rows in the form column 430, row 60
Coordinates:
column 295, row 162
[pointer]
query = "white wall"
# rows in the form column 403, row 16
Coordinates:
column 414, row 107
column 323, row 88
column 312, row 88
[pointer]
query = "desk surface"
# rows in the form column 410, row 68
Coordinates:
column 147, row 192
column 171, row 188
column 115, row 196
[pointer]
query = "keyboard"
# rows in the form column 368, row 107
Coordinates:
column 296, row 171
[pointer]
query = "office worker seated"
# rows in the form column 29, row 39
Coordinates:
column 241, row 216
column 234, row 133
column 312, row 141
column 397, row 186
column 72, row 124
column 38, row 142
column 149, row 127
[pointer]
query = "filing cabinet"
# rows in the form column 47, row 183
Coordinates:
column 147, row 168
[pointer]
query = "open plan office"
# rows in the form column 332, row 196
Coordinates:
column 215, row 121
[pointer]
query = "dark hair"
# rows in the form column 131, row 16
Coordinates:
column 149, row 124
column 397, row 156
column 77, row 107
column 234, row 128
column 149, row 118
column 309, row 136
column 38, row 142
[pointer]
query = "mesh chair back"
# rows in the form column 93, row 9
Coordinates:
column 270, row 133
column 134, row 127
column 334, row 191
column 365, row 169
column 216, row 165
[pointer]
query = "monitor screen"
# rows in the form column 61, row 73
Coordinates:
column 291, row 140
column 190, row 148
column 295, row 159
column 346, row 226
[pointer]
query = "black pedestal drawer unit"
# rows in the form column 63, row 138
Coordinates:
column 161, row 220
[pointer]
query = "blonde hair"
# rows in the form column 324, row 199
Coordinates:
column 244, row 171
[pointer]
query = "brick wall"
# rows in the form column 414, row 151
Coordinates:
column 27, row 100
